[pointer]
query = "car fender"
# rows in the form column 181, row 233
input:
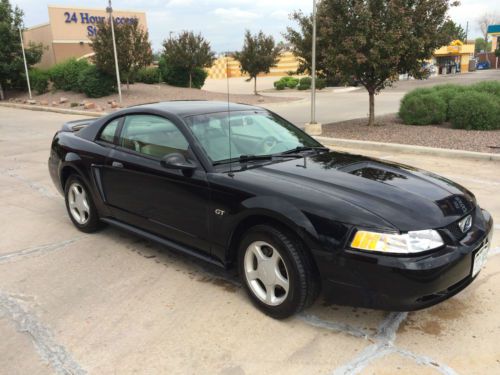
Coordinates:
column 276, row 209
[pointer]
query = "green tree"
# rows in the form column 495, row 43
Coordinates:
column 259, row 54
column 189, row 52
column 132, row 46
column 451, row 31
column 482, row 46
column 300, row 42
column 373, row 41
column 12, row 72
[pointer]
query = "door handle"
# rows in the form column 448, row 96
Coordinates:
column 117, row 164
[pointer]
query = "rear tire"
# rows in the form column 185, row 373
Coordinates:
column 80, row 206
column 276, row 271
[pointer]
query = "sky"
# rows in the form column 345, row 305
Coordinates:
column 223, row 22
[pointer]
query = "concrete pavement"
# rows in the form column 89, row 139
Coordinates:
column 112, row 303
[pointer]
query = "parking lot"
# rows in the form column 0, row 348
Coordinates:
column 112, row 303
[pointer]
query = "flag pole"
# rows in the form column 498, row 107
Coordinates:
column 25, row 62
column 109, row 9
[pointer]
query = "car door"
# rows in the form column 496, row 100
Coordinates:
column 140, row 191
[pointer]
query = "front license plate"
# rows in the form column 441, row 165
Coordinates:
column 480, row 259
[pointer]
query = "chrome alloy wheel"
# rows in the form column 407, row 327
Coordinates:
column 266, row 273
column 78, row 203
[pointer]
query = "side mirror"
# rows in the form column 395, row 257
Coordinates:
column 177, row 161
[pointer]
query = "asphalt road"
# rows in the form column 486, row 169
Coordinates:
column 112, row 303
column 332, row 106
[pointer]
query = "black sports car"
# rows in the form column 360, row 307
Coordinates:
column 237, row 185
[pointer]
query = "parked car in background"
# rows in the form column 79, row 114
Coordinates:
column 482, row 65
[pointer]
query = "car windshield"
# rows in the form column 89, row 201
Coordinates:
column 253, row 133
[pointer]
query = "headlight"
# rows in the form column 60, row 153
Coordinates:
column 408, row 243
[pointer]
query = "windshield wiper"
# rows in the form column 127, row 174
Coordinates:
column 246, row 158
column 305, row 148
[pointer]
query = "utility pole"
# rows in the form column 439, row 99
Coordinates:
column 25, row 62
column 313, row 128
column 109, row 10
column 466, row 32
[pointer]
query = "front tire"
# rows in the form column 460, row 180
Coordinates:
column 276, row 271
column 80, row 206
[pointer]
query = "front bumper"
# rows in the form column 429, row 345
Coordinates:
column 405, row 283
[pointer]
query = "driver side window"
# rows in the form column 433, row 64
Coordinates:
column 152, row 135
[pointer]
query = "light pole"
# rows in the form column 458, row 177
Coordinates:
column 313, row 67
column 313, row 127
column 25, row 62
column 109, row 9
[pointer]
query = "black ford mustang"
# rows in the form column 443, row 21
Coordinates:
column 247, row 188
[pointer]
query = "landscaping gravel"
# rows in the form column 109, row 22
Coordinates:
column 140, row 93
column 390, row 129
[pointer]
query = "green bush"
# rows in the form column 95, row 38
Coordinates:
column 39, row 80
column 488, row 87
column 65, row 75
column 280, row 85
column 320, row 83
column 422, row 107
column 475, row 110
column 447, row 93
column 178, row 76
column 289, row 82
column 149, row 75
column 96, row 84
column 304, row 81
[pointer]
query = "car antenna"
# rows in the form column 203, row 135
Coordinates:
column 231, row 174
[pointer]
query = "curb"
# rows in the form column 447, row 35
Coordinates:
column 397, row 147
column 34, row 107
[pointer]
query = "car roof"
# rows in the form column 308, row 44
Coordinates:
column 185, row 108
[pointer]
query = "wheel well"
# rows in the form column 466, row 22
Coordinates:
column 252, row 221
column 65, row 173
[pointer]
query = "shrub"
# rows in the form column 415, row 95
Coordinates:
column 475, row 110
column 289, row 82
column 39, row 80
column 179, row 76
column 489, row 87
column 320, row 83
column 149, row 75
column 447, row 93
column 96, row 84
column 65, row 75
column 280, row 85
column 305, row 81
column 422, row 107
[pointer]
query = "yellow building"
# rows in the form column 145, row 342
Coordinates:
column 457, row 54
column 67, row 33
column 224, row 67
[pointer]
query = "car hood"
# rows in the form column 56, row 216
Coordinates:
column 406, row 197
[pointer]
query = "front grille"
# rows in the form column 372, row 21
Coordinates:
column 455, row 230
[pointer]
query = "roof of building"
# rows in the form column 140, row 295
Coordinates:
column 493, row 29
